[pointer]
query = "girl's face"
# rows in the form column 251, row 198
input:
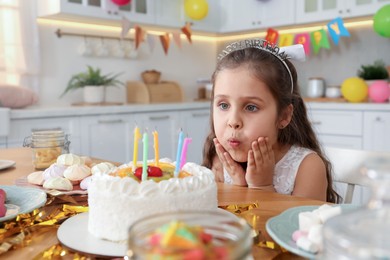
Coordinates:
column 244, row 110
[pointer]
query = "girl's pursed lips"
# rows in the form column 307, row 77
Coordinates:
column 234, row 142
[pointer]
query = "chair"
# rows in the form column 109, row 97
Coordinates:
column 348, row 165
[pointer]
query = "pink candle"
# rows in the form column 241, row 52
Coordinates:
column 187, row 141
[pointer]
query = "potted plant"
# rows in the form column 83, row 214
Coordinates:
column 93, row 84
column 373, row 72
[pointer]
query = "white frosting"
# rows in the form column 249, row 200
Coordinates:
column 115, row 203
column 35, row 178
column 69, row 159
column 77, row 172
column 103, row 167
column 58, row 183
column 84, row 184
column 54, row 170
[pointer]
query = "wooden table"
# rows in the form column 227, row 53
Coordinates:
column 270, row 204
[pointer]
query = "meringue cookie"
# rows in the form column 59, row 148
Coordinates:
column 87, row 161
column 35, row 178
column 77, row 172
column 69, row 159
column 54, row 170
column 58, row 183
column 103, row 167
column 84, row 184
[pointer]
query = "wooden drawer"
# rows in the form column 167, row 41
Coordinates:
column 349, row 123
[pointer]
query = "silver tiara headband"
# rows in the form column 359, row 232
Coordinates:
column 294, row 52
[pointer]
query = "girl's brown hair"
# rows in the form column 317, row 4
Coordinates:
column 269, row 69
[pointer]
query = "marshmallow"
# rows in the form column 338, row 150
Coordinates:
column 297, row 234
column 307, row 245
column 328, row 213
column 308, row 219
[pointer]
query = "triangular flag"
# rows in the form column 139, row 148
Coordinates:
column 126, row 25
column 177, row 39
column 139, row 36
column 165, row 42
column 186, row 29
column 272, row 36
column 304, row 39
column 319, row 40
column 151, row 39
column 286, row 39
column 336, row 29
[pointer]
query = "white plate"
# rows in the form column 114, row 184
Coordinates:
column 27, row 199
column 281, row 228
column 73, row 233
column 4, row 164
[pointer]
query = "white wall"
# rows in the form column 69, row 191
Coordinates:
column 61, row 60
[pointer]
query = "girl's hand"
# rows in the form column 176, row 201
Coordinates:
column 261, row 164
column 233, row 168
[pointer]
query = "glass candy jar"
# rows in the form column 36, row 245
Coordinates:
column 363, row 233
column 228, row 237
column 46, row 145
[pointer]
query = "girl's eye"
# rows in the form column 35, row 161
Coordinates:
column 251, row 108
column 223, row 106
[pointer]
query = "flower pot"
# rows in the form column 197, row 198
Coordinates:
column 94, row 94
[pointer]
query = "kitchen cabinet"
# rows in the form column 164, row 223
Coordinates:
column 139, row 11
column 197, row 125
column 21, row 128
column 321, row 10
column 108, row 137
column 253, row 14
column 171, row 13
column 376, row 131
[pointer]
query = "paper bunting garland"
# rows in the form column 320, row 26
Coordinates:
column 272, row 36
column 165, row 42
column 337, row 29
column 186, row 29
column 126, row 25
column 286, row 39
column 177, row 39
column 304, row 39
column 151, row 39
column 319, row 40
column 139, row 36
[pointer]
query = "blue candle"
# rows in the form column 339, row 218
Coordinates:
column 145, row 157
column 178, row 155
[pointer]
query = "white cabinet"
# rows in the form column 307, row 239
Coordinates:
column 253, row 14
column 171, row 13
column 21, row 128
column 338, row 128
column 322, row 10
column 140, row 11
column 166, row 124
column 376, row 131
column 197, row 125
column 107, row 137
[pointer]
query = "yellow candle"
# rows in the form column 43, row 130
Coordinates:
column 156, row 154
column 137, row 137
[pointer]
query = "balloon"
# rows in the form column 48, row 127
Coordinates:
column 379, row 91
column 354, row 89
column 196, row 9
column 382, row 21
column 121, row 2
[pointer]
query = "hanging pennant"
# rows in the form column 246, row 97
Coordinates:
column 139, row 36
column 286, row 39
column 272, row 36
column 186, row 29
column 126, row 25
column 165, row 42
column 319, row 40
column 151, row 39
column 304, row 39
column 177, row 39
column 337, row 29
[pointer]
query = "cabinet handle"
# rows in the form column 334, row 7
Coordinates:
column 348, row 10
column 112, row 121
column 378, row 119
column 316, row 122
column 200, row 114
column 340, row 11
column 158, row 117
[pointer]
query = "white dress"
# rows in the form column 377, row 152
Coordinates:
column 285, row 170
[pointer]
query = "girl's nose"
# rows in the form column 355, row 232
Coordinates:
column 235, row 123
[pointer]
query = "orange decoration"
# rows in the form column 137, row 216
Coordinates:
column 165, row 42
column 139, row 36
column 272, row 36
column 186, row 29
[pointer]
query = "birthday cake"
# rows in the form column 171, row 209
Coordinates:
column 120, row 196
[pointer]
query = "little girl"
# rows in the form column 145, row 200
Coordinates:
column 260, row 134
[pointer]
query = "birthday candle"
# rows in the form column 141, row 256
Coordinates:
column 156, row 155
column 178, row 155
column 137, row 136
column 145, row 157
column 184, row 151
